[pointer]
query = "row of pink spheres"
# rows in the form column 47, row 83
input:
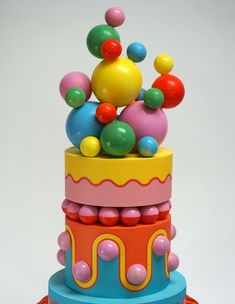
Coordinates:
column 142, row 125
column 110, row 216
column 108, row 250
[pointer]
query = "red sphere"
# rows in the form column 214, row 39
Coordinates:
column 111, row 49
column 106, row 112
column 172, row 88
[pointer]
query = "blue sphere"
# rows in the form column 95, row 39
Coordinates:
column 136, row 51
column 147, row 146
column 141, row 95
column 82, row 122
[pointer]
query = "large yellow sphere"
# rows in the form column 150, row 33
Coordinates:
column 90, row 146
column 117, row 82
column 163, row 64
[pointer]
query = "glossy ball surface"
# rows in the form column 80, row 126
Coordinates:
column 117, row 82
column 106, row 112
column 108, row 250
column 172, row 89
column 163, row 209
column 64, row 241
column 88, row 214
column 163, row 64
column 161, row 245
column 145, row 121
column 173, row 231
column 64, row 205
column 130, row 216
column 81, row 271
column 82, row 122
column 90, row 146
column 61, row 257
column 136, row 51
column 117, row 138
column 109, row 216
column 115, row 16
column 141, row 95
column 153, row 98
column 75, row 97
column 136, row 274
column 73, row 211
column 97, row 36
column 147, row 146
column 149, row 214
column 75, row 80
column 173, row 262
column 111, row 49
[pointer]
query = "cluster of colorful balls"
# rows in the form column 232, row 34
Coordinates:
column 117, row 82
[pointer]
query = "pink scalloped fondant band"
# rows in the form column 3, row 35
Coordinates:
column 108, row 194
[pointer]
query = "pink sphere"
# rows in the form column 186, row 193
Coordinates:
column 145, row 121
column 64, row 241
column 115, row 16
column 173, row 232
column 61, row 257
column 173, row 262
column 88, row 214
column 161, row 245
column 81, row 271
column 73, row 211
column 108, row 250
column 75, row 80
column 130, row 216
column 64, row 205
column 149, row 214
column 109, row 216
column 136, row 274
column 163, row 209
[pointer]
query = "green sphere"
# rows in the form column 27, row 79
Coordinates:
column 117, row 138
column 75, row 97
column 97, row 36
column 153, row 98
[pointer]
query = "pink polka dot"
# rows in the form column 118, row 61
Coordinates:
column 115, row 16
column 161, row 245
column 136, row 274
column 64, row 241
column 108, row 250
column 81, row 271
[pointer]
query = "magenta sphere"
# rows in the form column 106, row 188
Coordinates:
column 64, row 241
column 108, row 250
column 73, row 211
column 161, row 245
column 115, row 16
column 75, row 80
column 173, row 231
column 149, row 214
column 88, row 214
column 109, row 216
column 64, row 205
column 173, row 262
column 81, row 271
column 61, row 257
column 136, row 274
column 145, row 121
column 130, row 216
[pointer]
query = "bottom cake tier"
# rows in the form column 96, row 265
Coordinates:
column 174, row 293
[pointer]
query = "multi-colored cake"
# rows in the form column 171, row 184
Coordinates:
column 116, row 247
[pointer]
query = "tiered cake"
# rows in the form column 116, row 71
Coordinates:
column 118, row 180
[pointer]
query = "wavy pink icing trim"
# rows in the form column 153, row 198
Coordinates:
column 108, row 194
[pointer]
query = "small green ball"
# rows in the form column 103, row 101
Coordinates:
column 97, row 36
column 153, row 98
column 117, row 138
column 75, row 97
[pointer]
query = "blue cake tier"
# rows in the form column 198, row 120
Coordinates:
column 174, row 293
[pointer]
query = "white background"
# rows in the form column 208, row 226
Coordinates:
column 42, row 40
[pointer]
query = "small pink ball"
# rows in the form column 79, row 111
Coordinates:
column 88, row 214
column 73, row 211
column 173, row 232
column 161, row 245
column 149, row 214
column 64, row 241
column 64, row 205
column 130, row 216
column 108, row 250
column 145, row 121
column 163, row 209
column 81, row 271
column 75, row 80
column 115, row 16
column 173, row 262
column 136, row 274
column 61, row 257
column 109, row 216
